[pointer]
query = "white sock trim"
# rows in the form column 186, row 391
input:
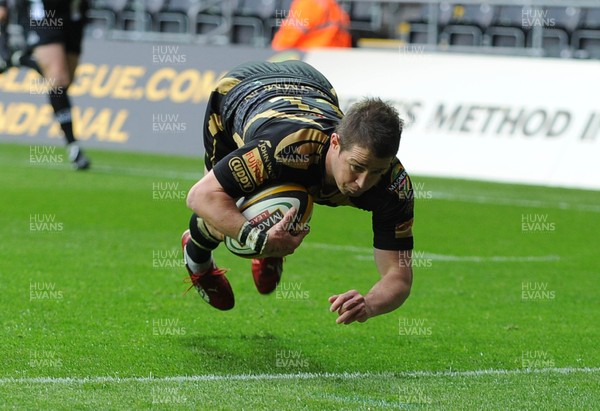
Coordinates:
column 197, row 267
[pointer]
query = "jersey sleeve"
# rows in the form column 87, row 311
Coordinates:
column 246, row 169
column 392, row 216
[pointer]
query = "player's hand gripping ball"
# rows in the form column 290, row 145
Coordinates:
column 267, row 207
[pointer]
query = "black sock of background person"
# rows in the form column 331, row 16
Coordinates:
column 60, row 102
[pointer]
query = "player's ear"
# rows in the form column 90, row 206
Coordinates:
column 334, row 141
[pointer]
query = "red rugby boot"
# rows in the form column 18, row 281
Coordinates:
column 267, row 273
column 212, row 285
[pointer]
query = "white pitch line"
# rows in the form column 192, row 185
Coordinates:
column 147, row 172
column 479, row 199
column 366, row 253
column 338, row 247
column 494, row 258
column 298, row 376
column 116, row 170
column 477, row 259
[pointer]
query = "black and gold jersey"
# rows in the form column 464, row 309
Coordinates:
column 271, row 122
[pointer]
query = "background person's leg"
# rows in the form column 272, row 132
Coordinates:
column 58, row 68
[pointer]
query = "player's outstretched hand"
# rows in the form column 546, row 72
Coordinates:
column 350, row 306
column 281, row 241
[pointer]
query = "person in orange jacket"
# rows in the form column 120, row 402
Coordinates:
column 311, row 24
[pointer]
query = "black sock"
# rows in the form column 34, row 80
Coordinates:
column 62, row 111
column 199, row 250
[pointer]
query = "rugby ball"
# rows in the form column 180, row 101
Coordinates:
column 266, row 208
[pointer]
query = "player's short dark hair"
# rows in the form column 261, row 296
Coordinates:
column 372, row 124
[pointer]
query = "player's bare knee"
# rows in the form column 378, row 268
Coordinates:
column 190, row 200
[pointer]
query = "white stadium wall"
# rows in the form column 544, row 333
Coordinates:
column 508, row 119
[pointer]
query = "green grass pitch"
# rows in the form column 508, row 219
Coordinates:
column 503, row 313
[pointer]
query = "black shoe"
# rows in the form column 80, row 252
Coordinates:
column 77, row 157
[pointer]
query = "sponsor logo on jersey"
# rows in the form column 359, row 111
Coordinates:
column 400, row 183
column 241, row 173
column 404, row 229
column 263, row 148
column 255, row 165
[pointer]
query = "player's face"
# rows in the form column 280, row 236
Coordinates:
column 356, row 169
